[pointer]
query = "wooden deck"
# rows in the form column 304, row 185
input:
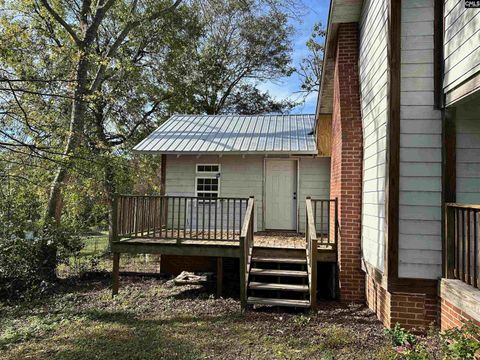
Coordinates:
column 220, row 227
column 219, row 248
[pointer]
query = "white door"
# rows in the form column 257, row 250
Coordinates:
column 280, row 193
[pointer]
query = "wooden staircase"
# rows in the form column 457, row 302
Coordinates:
column 278, row 277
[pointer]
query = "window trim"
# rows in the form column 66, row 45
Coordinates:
column 207, row 191
column 208, row 172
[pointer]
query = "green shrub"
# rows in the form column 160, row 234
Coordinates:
column 25, row 267
column 400, row 337
column 462, row 343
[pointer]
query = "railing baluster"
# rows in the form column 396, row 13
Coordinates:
column 179, row 217
column 233, row 219
column 196, row 221
column 160, row 220
column 172, row 224
column 475, row 248
column 463, row 246
column 191, row 218
column 203, row 219
column 185, row 218
column 467, row 249
column 228, row 217
column 457, row 243
column 240, row 215
column 221, row 219
column 215, row 225
column 320, row 231
column 209, row 216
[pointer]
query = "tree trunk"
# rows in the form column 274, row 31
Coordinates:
column 77, row 121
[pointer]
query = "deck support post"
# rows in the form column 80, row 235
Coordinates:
column 115, row 273
column 243, row 267
column 219, row 276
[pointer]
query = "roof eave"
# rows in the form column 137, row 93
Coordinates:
column 340, row 11
column 146, row 152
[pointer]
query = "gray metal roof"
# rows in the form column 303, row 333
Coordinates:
column 211, row 134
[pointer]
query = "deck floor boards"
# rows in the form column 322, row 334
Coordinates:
column 259, row 241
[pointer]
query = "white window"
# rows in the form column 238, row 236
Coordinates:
column 207, row 181
column 208, row 168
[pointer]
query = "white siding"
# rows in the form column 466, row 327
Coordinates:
column 240, row 177
column 461, row 43
column 314, row 182
column 373, row 67
column 420, row 147
column 243, row 177
column 467, row 122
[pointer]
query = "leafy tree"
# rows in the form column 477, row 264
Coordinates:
column 56, row 58
column 310, row 68
column 81, row 82
column 240, row 43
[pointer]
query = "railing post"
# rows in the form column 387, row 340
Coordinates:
column 336, row 223
column 307, row 199
column 313, row 285
column 243, row 295
column 312, row 251
column 449, row 255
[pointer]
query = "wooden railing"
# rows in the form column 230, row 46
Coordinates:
column 462, row 244
column 311, row 247
column 246, row 245
column 178, row 217
column 325, row 217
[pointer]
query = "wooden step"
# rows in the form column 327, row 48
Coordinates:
column 279, row 260
column 278, row 253
column 278, row 302
column 278, row 272
column 274, row 286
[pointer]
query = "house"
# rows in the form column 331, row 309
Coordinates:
column 391, row 158
column 227, row 181
column 401, row 81
column 271, row 157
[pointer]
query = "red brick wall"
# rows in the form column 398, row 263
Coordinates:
column 346, row 161
column 378, row 300
column 412, row 311
column 451, row 316
column 417, row 311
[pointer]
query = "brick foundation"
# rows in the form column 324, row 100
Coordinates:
column 459, row 303
column 412, row 311
column 451, row 316
column 346, row 162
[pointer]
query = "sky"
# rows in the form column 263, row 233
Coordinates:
column 315, row 11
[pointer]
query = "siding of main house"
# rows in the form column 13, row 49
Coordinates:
column 420, row 146
column 373, row 68
column 461, row 43
column 243, row 177
column 467, row 122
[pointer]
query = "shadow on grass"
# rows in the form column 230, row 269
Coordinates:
column 122, row 335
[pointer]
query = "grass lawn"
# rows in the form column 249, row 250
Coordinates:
column 153, row 319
